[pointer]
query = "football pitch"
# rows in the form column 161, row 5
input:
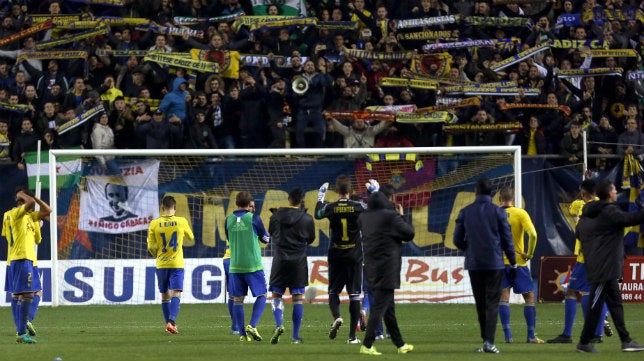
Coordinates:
column 438, row 332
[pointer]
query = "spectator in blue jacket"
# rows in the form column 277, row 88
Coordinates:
column 174, row 103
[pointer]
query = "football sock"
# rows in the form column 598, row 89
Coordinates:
column 238, row 316
column 584, row 304
column 298, row 313
column 230, row 312
column 278, row 311
column 570, row 312
column 504, row 316
column 366, row 305
column 25, row 305
column 258, row 309
column 165, row 308
column 334, row 304
column 15, row 311
column 175, row 303
column 354, row 310
column 600, row 325
column 530, row 314
column 34, row 307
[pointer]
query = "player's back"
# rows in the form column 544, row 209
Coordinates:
column 245, row 252
column 168, row 233
column 344, row 232
column 519, row 222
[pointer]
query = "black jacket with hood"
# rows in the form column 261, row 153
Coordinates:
column 291, row 230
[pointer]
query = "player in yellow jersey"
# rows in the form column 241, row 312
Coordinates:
column 578, row 285
column 165, row 243
column 518, row 278
column 22, row 232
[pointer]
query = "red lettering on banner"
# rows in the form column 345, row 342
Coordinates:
column 632, row 285
column 319, row 269
column 457, row 275
column 416, row 269
column 419, row 271
column 436, row 277
column 131, row 171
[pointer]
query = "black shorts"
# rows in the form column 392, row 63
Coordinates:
column 345, row 271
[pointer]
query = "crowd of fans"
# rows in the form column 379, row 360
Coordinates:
column 150, row 105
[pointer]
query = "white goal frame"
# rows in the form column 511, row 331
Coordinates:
column 294, row 152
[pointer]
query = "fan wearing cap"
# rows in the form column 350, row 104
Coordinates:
column 160, row 133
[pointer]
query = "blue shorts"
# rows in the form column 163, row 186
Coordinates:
column 8, row 280
column 282, row 290
column 24, row 278
column 578, row 279
column 37, row 281
column 227, row 273
column 522, row 282
column 170, row 279
column 241, row 282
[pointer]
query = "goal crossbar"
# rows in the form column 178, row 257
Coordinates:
column 515, row 151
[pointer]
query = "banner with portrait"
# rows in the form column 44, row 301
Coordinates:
column 120, row 203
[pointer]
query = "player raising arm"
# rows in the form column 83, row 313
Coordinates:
column 165, row 243
column 345, row 252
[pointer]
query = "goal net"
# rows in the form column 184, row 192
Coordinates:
column 100, row 222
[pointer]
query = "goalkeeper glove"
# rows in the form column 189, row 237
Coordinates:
column 372, row 186
column 322, row 191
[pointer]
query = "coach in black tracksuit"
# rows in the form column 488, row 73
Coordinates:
column 384, row 230
column 601, row 232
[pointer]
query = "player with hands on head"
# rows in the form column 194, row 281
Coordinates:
column 21, row 228
column 165, row 244
column 518, row 276
column 345, row 252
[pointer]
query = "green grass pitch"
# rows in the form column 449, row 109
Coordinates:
column 438, row 332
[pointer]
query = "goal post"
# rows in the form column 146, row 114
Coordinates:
column 99, row 221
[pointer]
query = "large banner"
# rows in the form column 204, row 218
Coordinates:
column 83, row 282
column 120, row 203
